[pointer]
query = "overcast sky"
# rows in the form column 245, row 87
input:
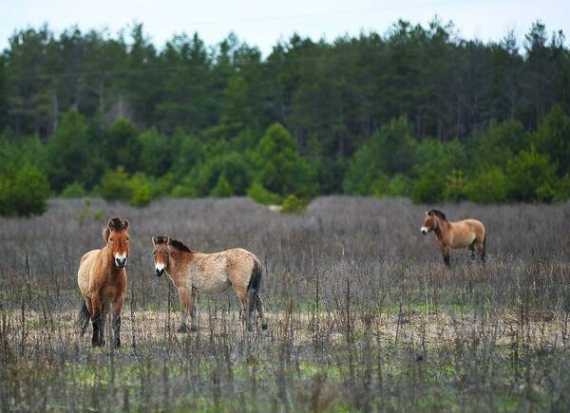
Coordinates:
column 263, row 23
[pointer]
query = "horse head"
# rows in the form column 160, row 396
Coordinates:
column 431, row 220
column 117, row 237
column 160, row 252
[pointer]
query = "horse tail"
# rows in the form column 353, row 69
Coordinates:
column 83, row 320
column 256, row 275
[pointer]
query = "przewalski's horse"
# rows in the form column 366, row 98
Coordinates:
column 198, row 273
column 460, row 234
column 102, row 280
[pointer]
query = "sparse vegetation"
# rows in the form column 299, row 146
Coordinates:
column 363, row 315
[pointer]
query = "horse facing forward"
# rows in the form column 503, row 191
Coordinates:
column 102, row 280
column 198, row 273
column 460, row 234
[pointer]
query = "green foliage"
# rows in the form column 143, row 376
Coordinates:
column 186, row 188
column 455, row 185
column 261, row 195
column 123, row 146
column 390, row 151
column 235, row 168
column 428, row 188
column 24, row 190
column 293, row 205
column 223, row 189
column 489, row 186
column 363, row 116
column 71, row 156
column 280, row 168
column 553, row 138
column 141, row 190
column 74, row 190
column 531, row 176
column 115, row 185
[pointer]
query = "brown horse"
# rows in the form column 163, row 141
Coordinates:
column 102, row 280
column 460, row 234
column 198, row 273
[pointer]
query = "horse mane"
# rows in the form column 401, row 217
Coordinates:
column 179, row 246
column 438, row 214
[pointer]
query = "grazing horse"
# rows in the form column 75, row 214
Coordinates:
column 460, row 234
column 199, row 273
column 102, row 280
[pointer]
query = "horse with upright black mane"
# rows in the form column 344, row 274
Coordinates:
column 102, row 280
column 199, row 273
column 460, row 234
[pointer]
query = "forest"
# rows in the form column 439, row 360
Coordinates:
column 416, row 112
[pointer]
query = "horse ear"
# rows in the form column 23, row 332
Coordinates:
column 153, row 241
column 106, row 233
column 126, row 224
column 427, row 212
column 167, row 240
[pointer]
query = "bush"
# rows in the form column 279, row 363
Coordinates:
column 24, row 191
column 115, row 185
column 489, row 186
column 223, row 189
column 261, row 195
column 74, row 190
column 429, row 188
column 294, row 205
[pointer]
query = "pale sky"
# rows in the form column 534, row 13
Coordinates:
column 263, row 23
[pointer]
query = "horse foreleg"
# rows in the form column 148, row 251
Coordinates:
column 192, row 310
column 98, row 321
column 446, row 252
column 185, row 299
column 116, row 322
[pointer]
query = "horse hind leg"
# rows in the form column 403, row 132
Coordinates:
column 259, row 304
column 83, row 320
column 472, row 249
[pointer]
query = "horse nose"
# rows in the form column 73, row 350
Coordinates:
column 121, row 262
column 424, row 230
column 159, row 271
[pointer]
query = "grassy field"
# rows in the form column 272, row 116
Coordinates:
column 363, row 315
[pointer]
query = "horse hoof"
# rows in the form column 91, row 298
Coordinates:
column 193, row 329
column 264, row 326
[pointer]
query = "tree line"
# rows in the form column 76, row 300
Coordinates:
column 416, row 112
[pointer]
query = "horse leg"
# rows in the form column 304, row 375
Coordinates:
column 472, row 249
column 187, row 307
column 84, row 316
column 116, row 322
column 445, row 251
column 481, row 249
column 246, row 309
column 192, row 309
column 259, row 304
column 98, row 321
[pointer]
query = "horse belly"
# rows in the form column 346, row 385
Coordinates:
column 463, row 239
column 213, row 285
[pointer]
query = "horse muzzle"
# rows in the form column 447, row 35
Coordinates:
column 121, row 262
column 424, row 230
column 159, row 271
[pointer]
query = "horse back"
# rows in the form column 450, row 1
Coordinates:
column 467, row 231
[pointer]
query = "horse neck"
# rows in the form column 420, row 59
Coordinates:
column 182, row 261
column 442, row 226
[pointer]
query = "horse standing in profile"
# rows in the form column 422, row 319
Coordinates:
column 198, row 273
column 460, row 234
column 102, row 280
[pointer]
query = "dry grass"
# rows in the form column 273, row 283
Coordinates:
column 362, row 313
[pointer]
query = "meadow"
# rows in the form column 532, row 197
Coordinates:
column 363, row 315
